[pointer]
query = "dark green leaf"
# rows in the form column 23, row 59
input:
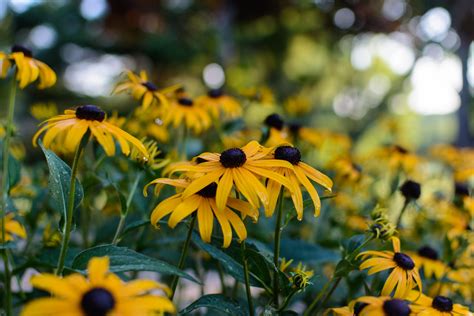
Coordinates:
column 59, row 182
column 135, row 225
column 123, row 259
column 219, row 303
column 299, row 250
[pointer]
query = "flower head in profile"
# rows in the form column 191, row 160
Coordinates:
column 220, row 104
column 185, row 111
column 243, row 167
column 101, row 293
column 142, row 89
column 380, row 306
column 28, row 69
column 404, row 275
column 70, row 128
column 203, row 204
column 299, row 176
column 427, row 258
column 12, row 228
column 437, row 306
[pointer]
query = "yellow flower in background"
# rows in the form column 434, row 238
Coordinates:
column 51, row 237
column 28, row 69
column 43, row 111
column 74, row 124
column 203, row 203
column 299, row 175
column 404, row 275
column 185, row 111
column 242, row 167
column 262, row 95
column 219, row 104
column 142, row 89
column 437, row 306
column 148, row 123
column 12, row 228
column 101, row 293
column 427, row 259
column 298, row 105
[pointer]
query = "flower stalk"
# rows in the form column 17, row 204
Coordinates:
column 276, row 250
column 247, row 279
column 70, row 205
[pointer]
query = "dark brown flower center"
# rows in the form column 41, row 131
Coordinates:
column 428, row 252
column 22, row 49
column 97, row 302
column 294, row 128
column 150, row 86
column 90, row 113
column 403, row 261
column 215, row 93
column 233, row 158
column 460, row 189
column 288, row 153
column 400, row 149
column 208, row 191
column 442, row 303
column 275, row 121
column 396, row 307
column 411, row 190
column 185, row 101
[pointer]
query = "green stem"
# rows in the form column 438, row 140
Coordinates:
column 317, row 299
column 402, row 211
column 184, row 135
column 276, row 250
column 221, row 277
column 287, row 300
column 5, row 184
column 247, row 279
column 184, row 253
column 70, row 205
column 123, row 217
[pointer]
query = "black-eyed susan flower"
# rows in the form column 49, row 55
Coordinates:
column 203, row 203
column 381, row 306
column 28, row 70
column 410, row 190
column 404, row 275
column 142, row 89
column 299, row 176
column 185, row 111
column 427, row 259
column 220, row 104
column 300, row 276
column 74, row 124
column 240, row 166
column 12, row 228
column 101, row 293
column 277, row 133
column 437, row 306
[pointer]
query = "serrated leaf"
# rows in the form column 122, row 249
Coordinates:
column 59, row 182
column 219, row 303
column 299, row 250
column 123, row 259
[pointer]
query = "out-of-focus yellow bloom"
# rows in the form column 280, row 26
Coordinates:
column 43, row 111
column 428, row 260
column 12, row 228
column 142, row 89
column 220, row 105
column 28, row 69
column 51, row 237
column 262, row 95
column 297, row 105
column 186, row 112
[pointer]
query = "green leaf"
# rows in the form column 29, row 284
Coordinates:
column 14, row 168
column 123, row 259
column 299, row 250
column 135, row 225
column 219, row 303
column 59, row 182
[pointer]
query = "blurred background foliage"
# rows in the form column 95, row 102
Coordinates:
column 352, row 66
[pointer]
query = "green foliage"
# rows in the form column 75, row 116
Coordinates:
column 217, row 303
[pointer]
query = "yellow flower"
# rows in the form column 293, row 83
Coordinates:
column 51, row 237
column 203, row 202
column 240, row 166
column 300, row 277
column 142, row 89
column 220, row 104
column 427, row 259
column 154, row 159
column 380, row 306
column 29, row 69
column 74, row 124
column 437, row 306
column 404, row 275
column 297, row 105
column 147, row 123
column 12, row 228
column 101, row 293
column 261, row 95
column 43, row 111
column 186, row 111
column 298, row 176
